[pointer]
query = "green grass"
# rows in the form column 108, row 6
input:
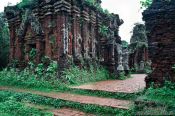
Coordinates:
column 10, row 106
column 72, row 76
column 77, row 76
column 42, row 79
column 156, row 99
column 105, row 94
column 163, row 95
column 57, row 103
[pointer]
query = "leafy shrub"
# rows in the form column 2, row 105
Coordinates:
column 157, row 101
column 90, row 2
column 27, row 3
column 122, row 76
column 165, row 94
column 75, row 75
column 146, row 3
column 103, row 30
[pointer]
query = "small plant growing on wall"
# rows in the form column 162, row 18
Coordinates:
column 90, row 2
column 103, row 30
column 32, row 54
column 145, row 3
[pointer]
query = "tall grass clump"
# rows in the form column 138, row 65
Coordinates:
column 76, row 75
column 165, row 94
column 43, row 75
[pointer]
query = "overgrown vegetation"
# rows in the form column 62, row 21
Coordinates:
column 138, row 45
column 44, row 75
column 104, row 30
column 27, row 4
column 13, row 108
column 162, row 99
column 57, row 103
column 146, row 3
column 124, row 44
column 75, row 75
column 93, row 3
column 164, row 95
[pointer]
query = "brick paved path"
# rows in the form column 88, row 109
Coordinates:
column 69, row 112
column 122, row 104
column 131, row 85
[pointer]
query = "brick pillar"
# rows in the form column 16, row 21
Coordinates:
column 19, row 52
column 85, row 32
column 160, row 25
column 93, row 34
column 63, row 9
column 12, row 43
column 48, row 33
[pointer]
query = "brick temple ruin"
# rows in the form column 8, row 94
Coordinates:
column 65, row 29
column 160, row 24
column 138, row 57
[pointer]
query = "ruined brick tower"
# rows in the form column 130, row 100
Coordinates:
column 160, row 23
column 63, row 29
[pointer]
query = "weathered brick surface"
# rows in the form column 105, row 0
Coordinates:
column 63, row 29
column 160, row 24
column 69, row 112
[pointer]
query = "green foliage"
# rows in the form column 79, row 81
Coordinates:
column 148, row 69
column 145, row 3
column 34, row 76
column 10, row 105
column 58, row 103
column 32, row 54
column 159, row 101
column 139, row 34
column 106, row 12
column 122, row 76
column 99, row 8
column 139, row 38
column 103, row 30
column 27, row 4
column 91, row 2
column 75, row 75
column 105, row 94
column 163, row 95
column 44, row 75
column 14, row 108
column 125, row 44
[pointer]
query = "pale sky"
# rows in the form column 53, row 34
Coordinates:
column 128, row 10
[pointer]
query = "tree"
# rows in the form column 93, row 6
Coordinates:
column 124, row 44
column 139, row 37
column 27, row 3
column 139, row 34
column 146, row 3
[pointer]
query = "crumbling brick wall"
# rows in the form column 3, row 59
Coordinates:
column 160, row 23
column 63, row 29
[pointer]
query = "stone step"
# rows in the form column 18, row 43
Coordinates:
column 59, row 112
column 106, row 102
column 69, row 112
column 131, row 85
